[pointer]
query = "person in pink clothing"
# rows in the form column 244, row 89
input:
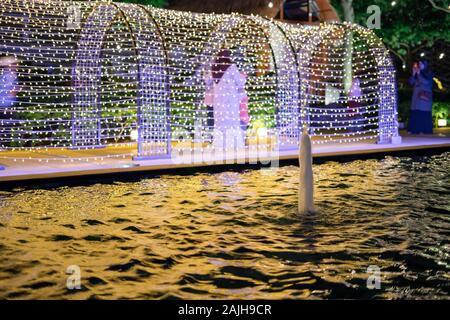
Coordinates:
column 243, row 108
column 243, row 113
column 209, row 99
column 228, row 95
column 354, row 105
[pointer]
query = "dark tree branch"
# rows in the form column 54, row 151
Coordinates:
column 437, row 7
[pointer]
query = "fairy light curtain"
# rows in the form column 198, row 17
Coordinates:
column 153, row 108
column 125, row 72
column 87, row 76
column 287, row 73
column 324, row 98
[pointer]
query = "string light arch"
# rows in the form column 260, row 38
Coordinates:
column 128, row 72
column 323, row 54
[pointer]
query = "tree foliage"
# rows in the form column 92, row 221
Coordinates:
column 407, row 27
column 410, row 29
column 154, row 3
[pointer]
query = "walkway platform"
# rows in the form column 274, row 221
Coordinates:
column 61, row 165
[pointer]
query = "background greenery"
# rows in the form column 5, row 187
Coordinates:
column 155, row 3
column 410, row 29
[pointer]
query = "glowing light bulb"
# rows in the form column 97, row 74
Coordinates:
column 134, row 135
column 442, row 122
column 262, row 132
column 270, row 4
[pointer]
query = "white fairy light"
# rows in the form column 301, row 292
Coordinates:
column 134, row 135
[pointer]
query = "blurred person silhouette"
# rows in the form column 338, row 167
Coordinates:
column 229, row 93
column 209, row 98
column 8, row 93
column 421, row 120
column 354, row 105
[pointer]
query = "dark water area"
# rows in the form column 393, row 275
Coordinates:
column 235, row 235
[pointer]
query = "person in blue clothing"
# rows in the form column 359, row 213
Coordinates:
column 8, row 92
column 421, row 120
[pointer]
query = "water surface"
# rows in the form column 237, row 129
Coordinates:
column 235, row 235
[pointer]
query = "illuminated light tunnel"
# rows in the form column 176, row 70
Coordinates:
column 107, row 75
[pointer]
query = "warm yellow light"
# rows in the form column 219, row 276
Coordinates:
column 438, row 83
column 262, row 132
column 442, row 122
column 134, row 135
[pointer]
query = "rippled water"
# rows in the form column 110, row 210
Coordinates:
column 235, row 235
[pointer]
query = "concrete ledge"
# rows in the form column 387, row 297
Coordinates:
column 31, row 170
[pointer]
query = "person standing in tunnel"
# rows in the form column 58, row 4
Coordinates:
column 354, row 106
column 421, row 120
column 209, row 99
column 229, row 91
column 8, row 93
